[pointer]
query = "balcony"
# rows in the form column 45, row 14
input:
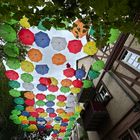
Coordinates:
column 94, row 116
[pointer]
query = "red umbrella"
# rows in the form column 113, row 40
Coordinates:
column 61, row 98
column 26, row 36
column 52, row 115
column 53, row 88
column 77, row 83
column 40, row 96
column 54, row 135
column 69, row 72
column 32, row 122
column 49, row 126
column 12, row 75
column 75, row 46
column 40, row 110
column 45, row 81
column 65, row 120
column 62, row 130
column 34, row 114
column 29, row 102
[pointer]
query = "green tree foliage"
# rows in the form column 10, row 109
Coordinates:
column 102, row 14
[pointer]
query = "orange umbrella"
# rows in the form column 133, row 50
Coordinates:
column 30, row 109
column 66, row 82
column 29, row 95
column 35, row 55
column 58, row 59
column 60, row 110
column 79, row 30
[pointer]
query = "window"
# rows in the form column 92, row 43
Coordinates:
column 126, row 136
column 103, row 95
column 131, row 59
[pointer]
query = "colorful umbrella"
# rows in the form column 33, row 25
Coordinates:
column 30, row 109
column 78, row 30
column 42, row 69
column 16, row 112
column 66, row 82
column 34, row 114
column 29, row 102
column 80, row 73
column 50, row 110
column 87, row 83
column 77, row 83
column 35, row 55
column 60, row 110
column 29, row 95
column 93, row 74
column 40, row 110
column 61, row 104
column 54, row 81
column 28, row 86
column 45, row 81
column 14, row 84
column 42, row 39
column 58, row 43
column 12, row 75
column 24, row 22
column 40, row 96
column 58, row 59
column 11, row 50
column 50, row 103
column 61, row 98
column 90, row 48
column 19, row 100
column 75, row 46
column 69, row 72
column 25, row 113
column 7, row 33
column 75, row 90
column 52, row 115
column 26, row 77
column 19, row 107
column 65, row 89
column 41, row 87
column 98, row 65
column 40, row 103
column 13, row 63
column 50, row 97
column 52, row 88
column 44, row 114
column 27, row 66
column 26, row 37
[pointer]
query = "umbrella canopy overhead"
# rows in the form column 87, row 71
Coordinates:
column 42, row 69
column 80, row 73
column 98, row 65
column 26, row 37
column 45, row 81
column 27, row 66
column 12, row 75
column 58, row 59
column 66, row 82
column 69, row 72
column 29, row 95
column 14, row 84
column 13, row 63
column 28, row 86
column 42, row 39
column 41, row 87
column 53, row 88
column 75, row 46
column 58, row 43
column 26, row 77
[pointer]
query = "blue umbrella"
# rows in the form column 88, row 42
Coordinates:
column 25, row 113
column 40, row 119
column 64, row 124
column 58, row 119
column 42, row 39
column 41, row 87
column 50, row 110
column 42, row 69
column 80, row 73
column 55, row 131
column 50, row 103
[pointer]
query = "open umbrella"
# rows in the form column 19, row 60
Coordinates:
column 50, row 97
column 87, row 83
column 58, row 43
column 69, row 72
column 40, row 103
column 26, row 37
column 19, row 107
column 77, row 83
column 44, row 114
column 14, row 93
column 40, row 110
column 60, row 110
column 13, row 63
column 34, row 114
column 29, row 95
column 50, row 103
column 16, row 112
column 24, row 22
column 12, row 75
column 14, row 84
column 29, row 102
column 19, row 100
column 52, row 115
column 98, row 65
column 52, row 88
column 35, row 55
column 42, row 69
column 25, row 113
column 11, row 50
column 78, row 30
column 42, row 39
column 50, row 110
column 61, row 98
column 26, row 77
column 61, row 104
column 75, row 90
column 7, row 33
column 80, row 73
column 93, row 74
column 54, row 81
column 41, row 87
column 30, row 109
column 45, row 81
column 27, row 66
column 40, row 96
column 58, row 59
column 90, row 48
column 75, row 46
column 28, row 86
column 65, row 89
column 66, row 82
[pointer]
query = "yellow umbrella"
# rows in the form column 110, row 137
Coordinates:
column 24, row 22
column 78, row 108
column 32, row 127
column 61, row 134
column 27, row 66
column 61, row 104
column 56, row 127
column 54, row 81
column 22, row 118
column 75, row 90
column 44, row 114
column 90, row 48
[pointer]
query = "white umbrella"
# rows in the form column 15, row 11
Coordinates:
column 28, row 86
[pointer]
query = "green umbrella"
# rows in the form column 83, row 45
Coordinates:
column 7, row 33
column 91, row 31
column 87, row 83
column 19, row 107
column 14, row 84
column 98, row 65
column 50, row 97
column 40, row 103
column 16, row 112
column 13, row 63
column 13, row 117
column 14, row 93
column 11, row 50
column 31, row 118
column 17, row 121
column 19, row 100
column 93, row 74
column 65, row 89
column 26, row 77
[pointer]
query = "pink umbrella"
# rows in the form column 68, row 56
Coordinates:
column 40, row 110
column 53, row 88
column 12, row 75
column 40, row 96
column 61, row 98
